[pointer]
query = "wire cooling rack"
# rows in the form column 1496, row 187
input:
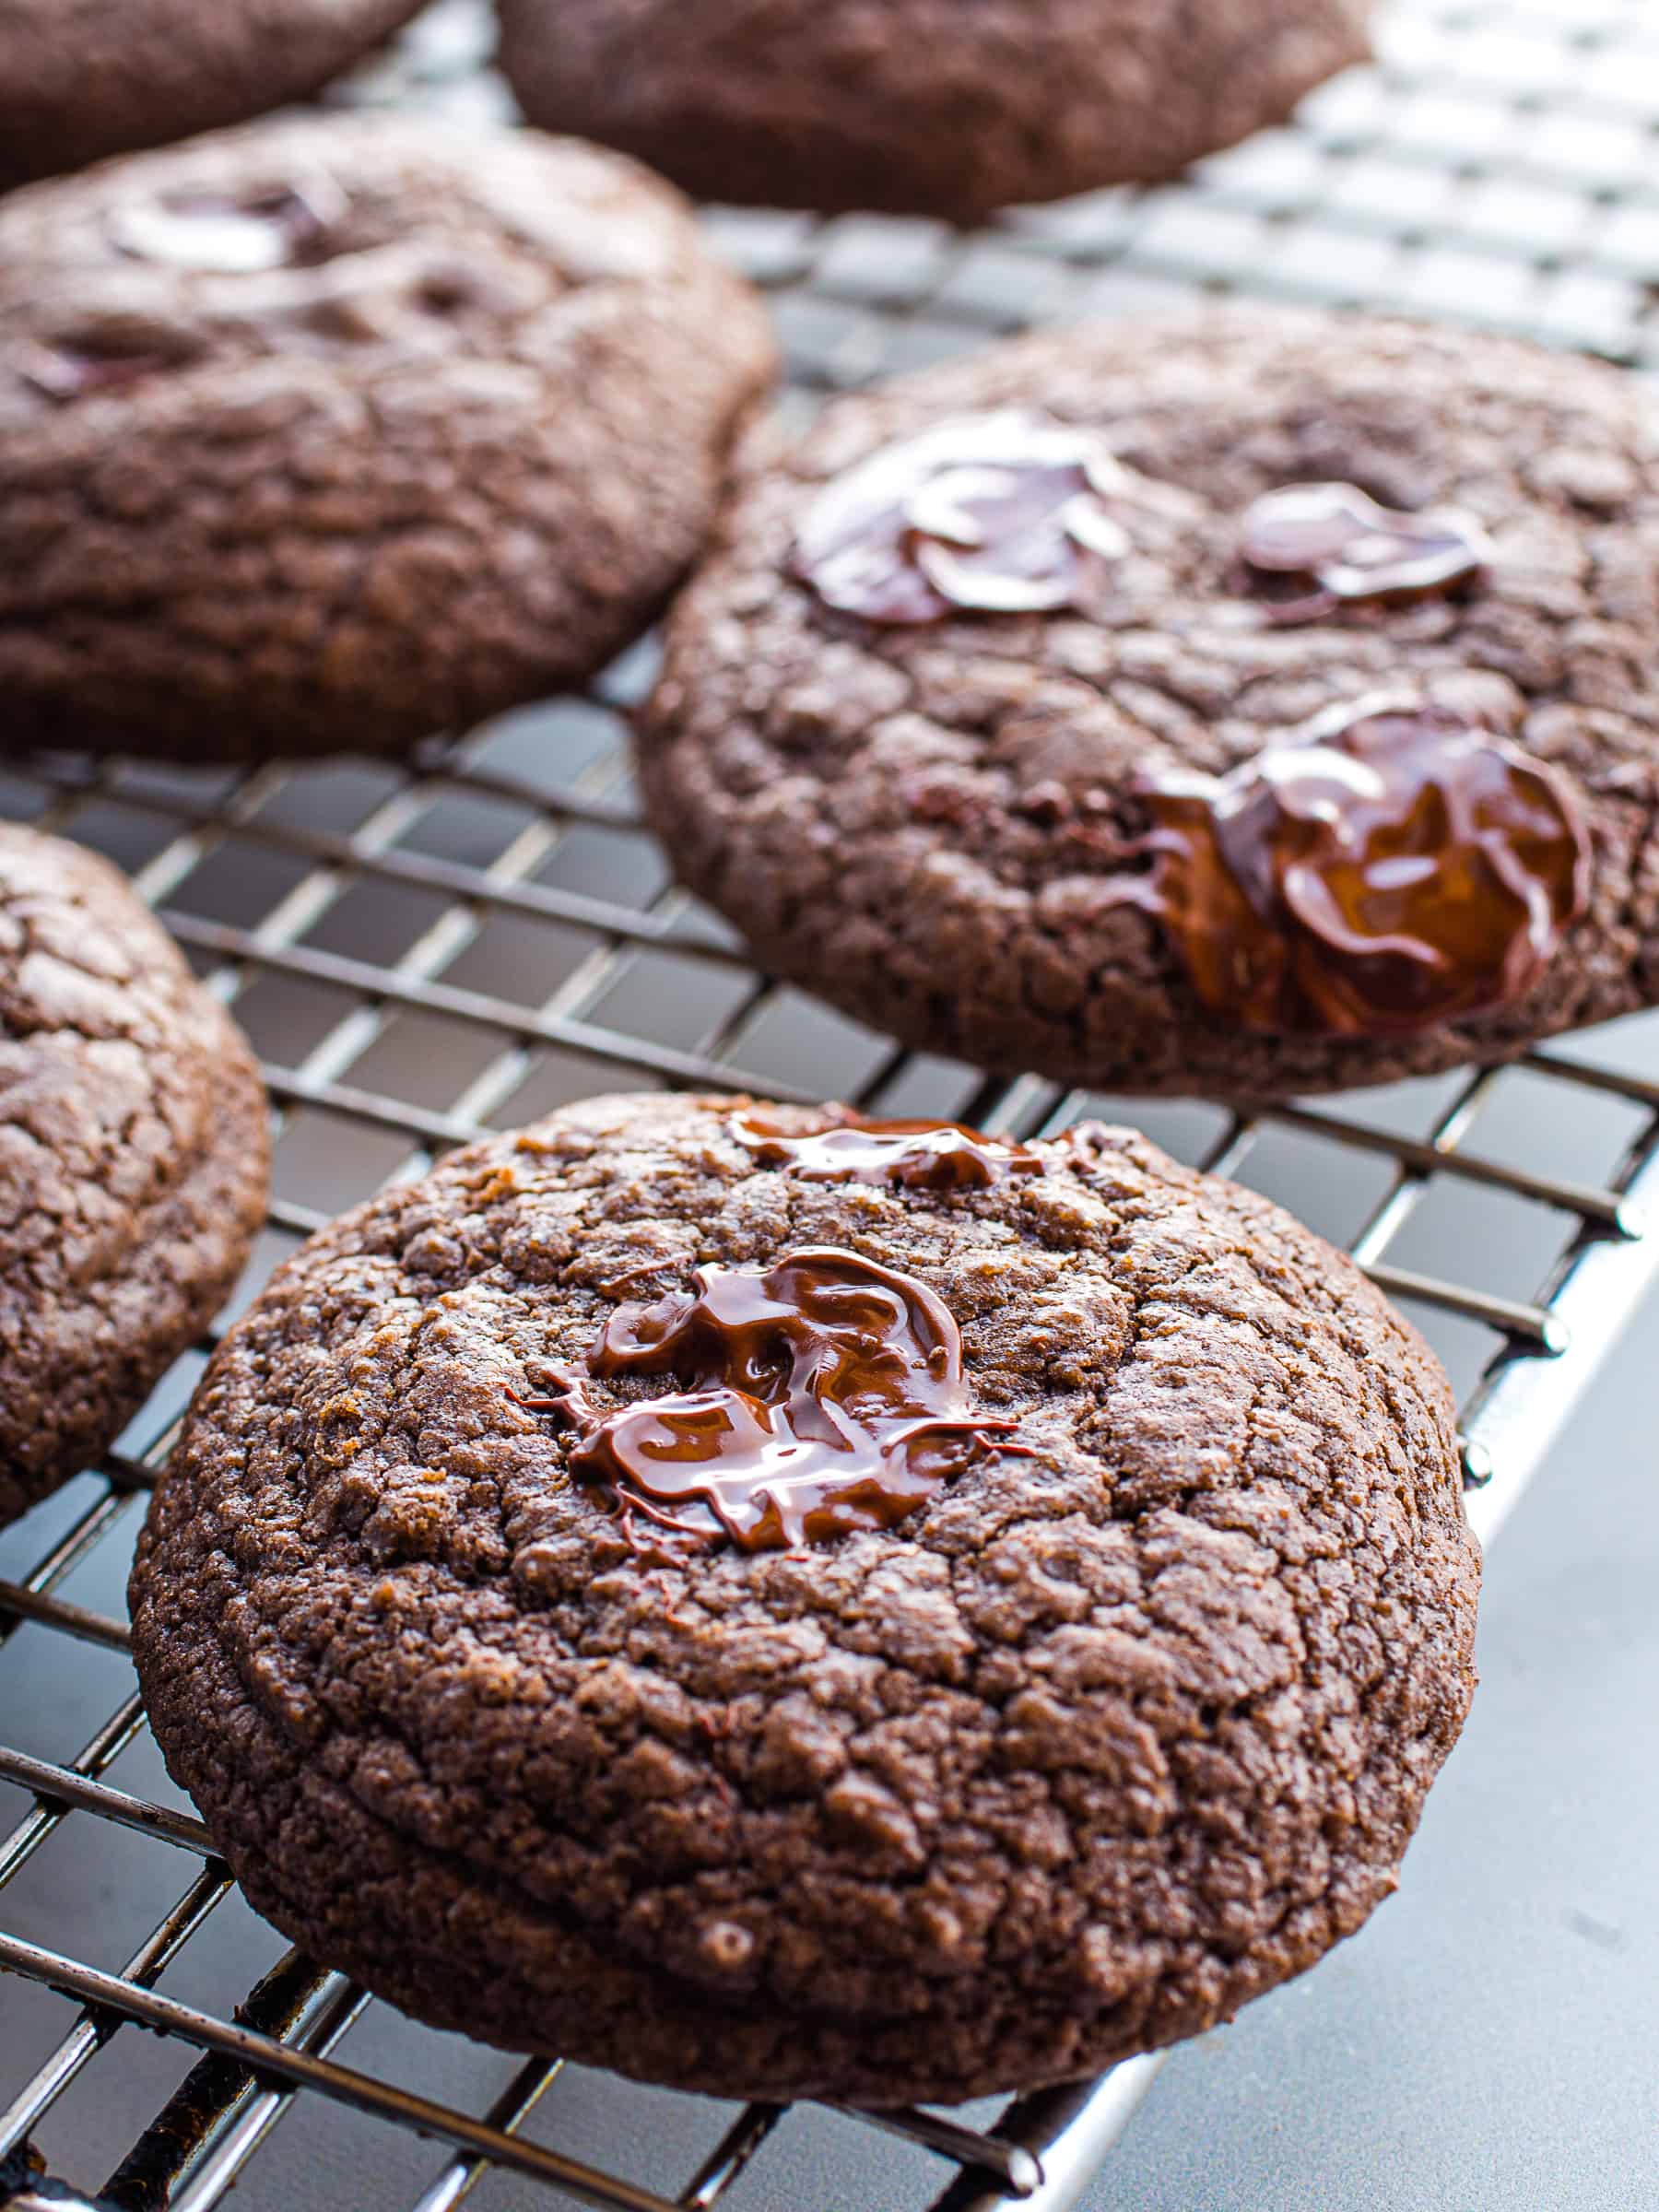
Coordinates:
column 423, row 950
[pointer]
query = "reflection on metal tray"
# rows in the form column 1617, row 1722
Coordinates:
column 420, row 952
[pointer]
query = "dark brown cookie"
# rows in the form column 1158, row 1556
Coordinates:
column 80, row 80
column 784, row 1609
column 322, row 434
column 1248, row 702
column 932, row 107
column 134, row 1159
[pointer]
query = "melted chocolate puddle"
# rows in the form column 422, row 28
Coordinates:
column 915, row 1155
column 1312, row 548
column 230, row 234
column 999, row 513
column 820, row 1396
column 69, row 372
column 1399, row 870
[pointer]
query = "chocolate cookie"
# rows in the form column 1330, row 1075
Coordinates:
column 932, row 107
column 80, row 80
column 1248, row 703
column 134, row 1157
column 786, row 1606
column 321, row 434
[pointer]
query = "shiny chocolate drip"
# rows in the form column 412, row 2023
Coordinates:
column 818, row 1396
column 228, row 234
column 1398, row 870
column 917, row 1156
column 1312, row 548
column 1000, row 513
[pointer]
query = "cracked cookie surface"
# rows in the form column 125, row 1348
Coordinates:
column 921, row 824
column 134, row 1157
column 321, row 434
column 80, row 80
column 933, row 107
column 1097, row 1743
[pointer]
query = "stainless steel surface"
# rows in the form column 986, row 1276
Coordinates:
column 422, row 950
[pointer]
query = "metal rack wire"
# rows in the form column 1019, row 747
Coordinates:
column 423, row 950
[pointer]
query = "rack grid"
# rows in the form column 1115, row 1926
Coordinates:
column 425, row 949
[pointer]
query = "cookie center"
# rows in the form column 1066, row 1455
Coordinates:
column 914, row 1155
column 818, row 1396
column 1398, row 870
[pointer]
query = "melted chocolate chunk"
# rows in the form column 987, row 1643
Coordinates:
column 819, row 1397
column 69, row 372
column 1313, row 547
column 917, row 1156
column 1002, row 513
column 230, row 235
column 1400, row 869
